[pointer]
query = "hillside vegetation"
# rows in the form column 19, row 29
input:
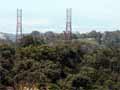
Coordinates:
column 72, row 65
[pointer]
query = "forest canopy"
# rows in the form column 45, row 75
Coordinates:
column 75, row 65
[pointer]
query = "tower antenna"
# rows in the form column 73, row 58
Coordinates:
column 68, row 31
column 19, row 26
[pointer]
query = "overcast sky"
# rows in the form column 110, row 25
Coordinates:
column 45, row 15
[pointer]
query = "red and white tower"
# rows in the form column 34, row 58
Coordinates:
column 68, row 32
column 19, row 26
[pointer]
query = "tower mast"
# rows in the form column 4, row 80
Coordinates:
column 68, row 31
column 19, row 26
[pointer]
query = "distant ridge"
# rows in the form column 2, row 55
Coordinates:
column 7, row 36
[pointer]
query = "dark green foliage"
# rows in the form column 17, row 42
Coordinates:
column 81, row 81
column 31, row 39
column 68, row 66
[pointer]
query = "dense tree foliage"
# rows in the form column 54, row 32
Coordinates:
column 106, row 38
column 64, row 65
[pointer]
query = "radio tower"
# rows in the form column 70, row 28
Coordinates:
column 19, row 26
column 68, row 32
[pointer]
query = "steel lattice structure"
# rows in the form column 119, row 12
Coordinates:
column 68, row 31
column 19, row 26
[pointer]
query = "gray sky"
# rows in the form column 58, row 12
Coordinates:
column 45, row 15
